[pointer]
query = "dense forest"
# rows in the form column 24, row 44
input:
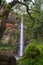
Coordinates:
column 31, row 30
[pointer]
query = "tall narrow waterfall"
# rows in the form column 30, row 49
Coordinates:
column 21, row 37
column 21, row 40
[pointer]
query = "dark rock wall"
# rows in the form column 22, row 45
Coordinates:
column 5, row 60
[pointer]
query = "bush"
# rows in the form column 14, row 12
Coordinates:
column 33, row 55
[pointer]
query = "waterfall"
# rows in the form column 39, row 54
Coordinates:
column 21, row 37
column 21, row 40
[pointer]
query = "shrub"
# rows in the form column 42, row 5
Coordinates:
column 33, row 55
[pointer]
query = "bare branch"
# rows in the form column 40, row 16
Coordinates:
column 31, row 16
column 14, row 2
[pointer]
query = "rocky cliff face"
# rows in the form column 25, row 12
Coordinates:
column 10, row 40
column 11, row 35
column 11, row 32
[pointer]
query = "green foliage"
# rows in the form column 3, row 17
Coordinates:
column 6, row 47
column 33, row 55
column 35, row 29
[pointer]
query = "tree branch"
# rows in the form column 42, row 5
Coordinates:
column 14, row 2
column 31, row 16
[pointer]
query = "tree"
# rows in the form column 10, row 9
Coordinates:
column 35, row 29
column 7, row 8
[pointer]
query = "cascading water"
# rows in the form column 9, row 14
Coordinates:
column 21, row 37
